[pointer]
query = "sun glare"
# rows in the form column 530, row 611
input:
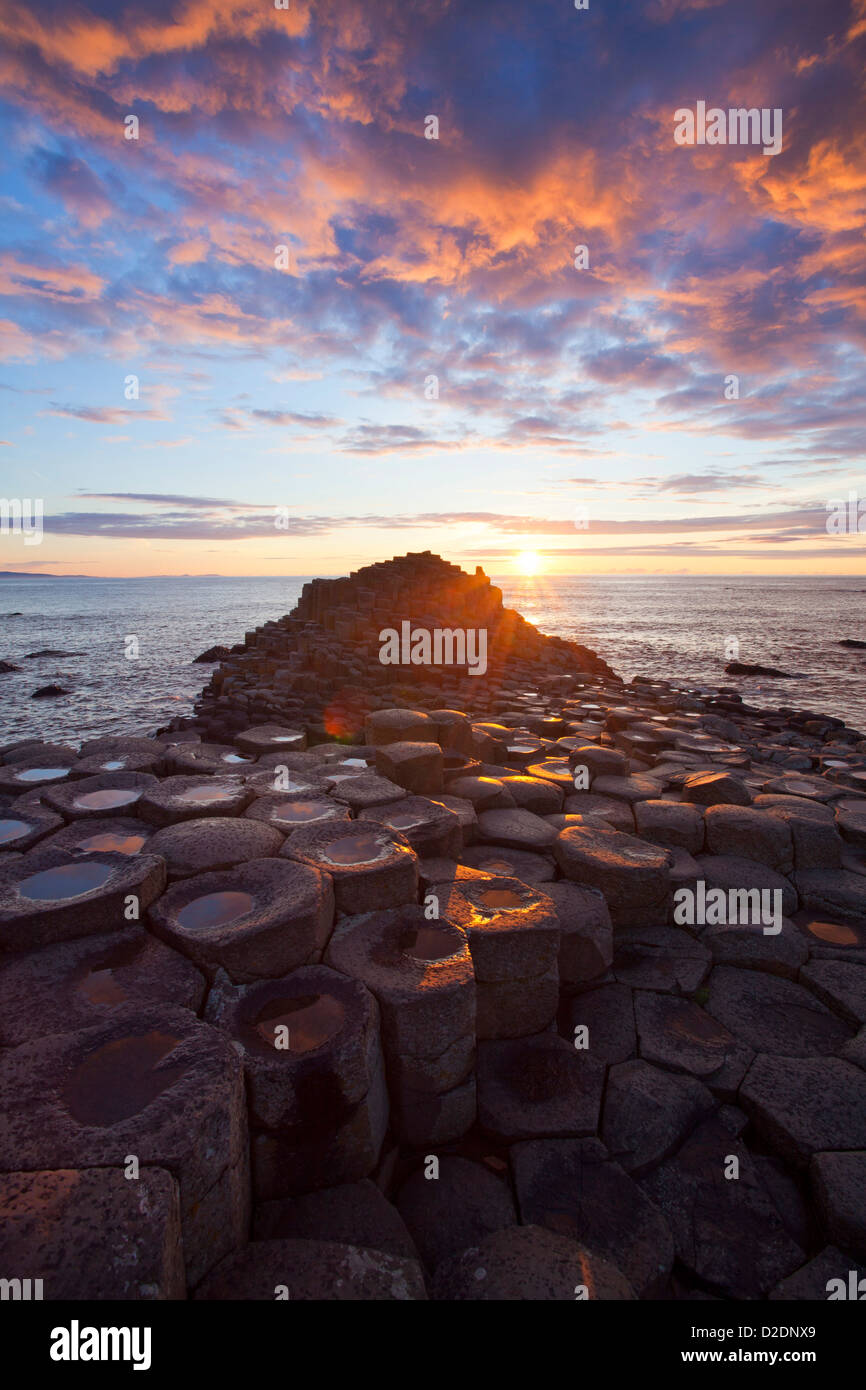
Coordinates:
column 529, row 562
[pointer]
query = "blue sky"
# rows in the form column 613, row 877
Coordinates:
column 595, row 394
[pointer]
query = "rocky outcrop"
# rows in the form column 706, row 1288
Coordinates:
column 489, row 1004
column 319, row 667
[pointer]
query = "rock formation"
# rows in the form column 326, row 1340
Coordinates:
column 484, row 1004
column 320, row 665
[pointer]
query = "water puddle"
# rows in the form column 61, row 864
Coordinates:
column 836, row 933
column 66, row 881
column 299, row 812
column 41, row 774
column 311, row 1020
column 110, row 843
column 495, row 899
column 354, row 849
column 101, row 987
column 119, row 1079
column 215, row 910
column 431, row 943
column 107, row 800
column 205, row 795
column 13, row 830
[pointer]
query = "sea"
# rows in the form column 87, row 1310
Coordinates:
column 680, row 628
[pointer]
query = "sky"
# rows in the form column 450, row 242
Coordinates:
column 287, row 330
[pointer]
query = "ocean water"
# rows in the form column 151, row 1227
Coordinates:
column 675, row 627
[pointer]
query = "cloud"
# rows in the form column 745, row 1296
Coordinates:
column 195, row 518
column 454, row 257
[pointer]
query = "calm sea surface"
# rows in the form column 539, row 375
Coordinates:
column 673, row 627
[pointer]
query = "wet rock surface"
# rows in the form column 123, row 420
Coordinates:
column 571, row 974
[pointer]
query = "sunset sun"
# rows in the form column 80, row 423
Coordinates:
column 528, row 562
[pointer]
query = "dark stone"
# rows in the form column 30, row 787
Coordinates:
column 745, row 668
column 569, row 1186
column 457, row 1209
column 214, row 654
column 727, row 1231
column 528, row 1263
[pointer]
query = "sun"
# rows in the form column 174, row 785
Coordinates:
column 529, row 562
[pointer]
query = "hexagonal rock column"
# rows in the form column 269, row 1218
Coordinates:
column 586, row 943
column 599, row 762
column 94, row 1234
column 816, row 841
column 453, row 730
column 835, row 892
column 617, row 813
column 806, row 1105
column 314, row 1271
column 749, row 834
column 421, row 973
column 38, row 772
column 128, row 760
column 256, row 921
column 715, row 789
column 534, row 794
column 535, row 1086
column 769, row 1014
column 677, row 1033
column 154, row 1083
column 517, row 829
column 513, row 863
column 811, row 1282
column 416, row 766
column 283, row 781
column 514, row 936
column 465, row 1203
column 20, row 830
column 288, row 812
column 648, row 1113
column 732, row 874
column 351, row 1213
column 196, row 758
column 633, row 876
column 728, row 1234
column 190, row 798
column 315, row 1078
column 673, row 824
column 50, row 895
column 431, row 828
column 76, row 984
column 399, row 726
column 102, row 835
column 371, row 867
column 571, row 1187
column 838, row 1182
column 271, row 738
column 117, row 792
column 527, row 1262
column 216, row 842
column 360, row 791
